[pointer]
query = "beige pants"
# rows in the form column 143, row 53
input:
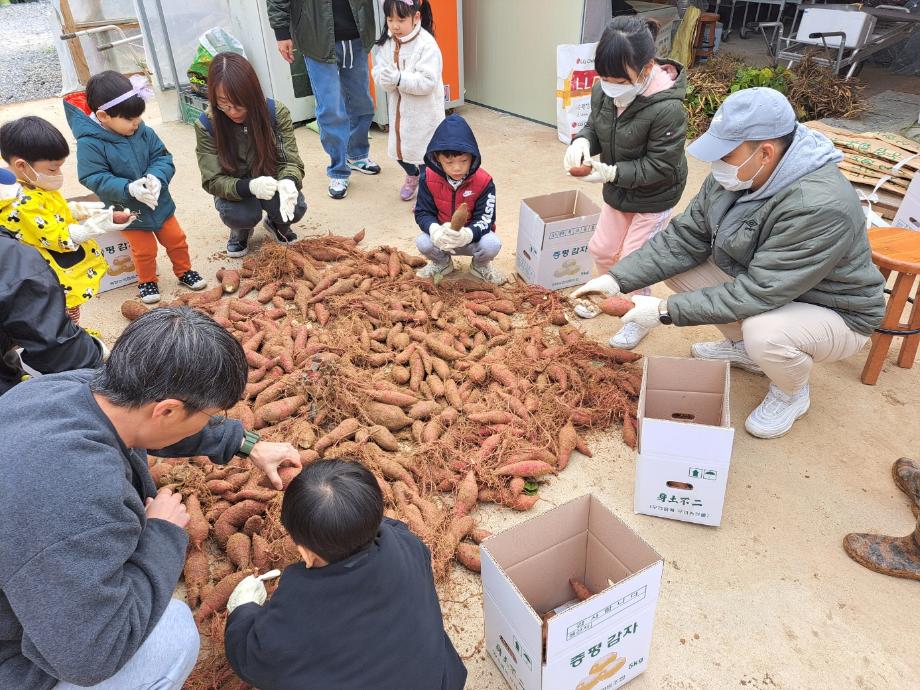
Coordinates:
column 785, row 342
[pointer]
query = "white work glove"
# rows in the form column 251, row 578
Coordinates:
column 604, row 285
column 154, row 186
column 601, row 172
column 138, row 189
column 645, row 313
column 263, row 188
column 454, row 239
column 97, row 224
column 81, row 210
column 251, row 590
column 578, row 153
column 287, row 199
column 388, row 75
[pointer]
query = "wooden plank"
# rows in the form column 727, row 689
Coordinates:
column 76, row 49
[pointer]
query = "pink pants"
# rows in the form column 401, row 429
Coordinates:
column 619, row 234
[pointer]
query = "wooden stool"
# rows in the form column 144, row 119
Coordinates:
column 708, row 20
column 895, row 250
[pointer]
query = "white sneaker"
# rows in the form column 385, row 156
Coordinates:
column 726, row 350
column 488, row 273
column 338, row 188
column 777, row 413
column 629, row 336
column 433, row 269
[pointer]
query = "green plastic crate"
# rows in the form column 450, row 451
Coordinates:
column 191, row 104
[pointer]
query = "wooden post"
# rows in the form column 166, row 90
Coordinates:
column 76, row 48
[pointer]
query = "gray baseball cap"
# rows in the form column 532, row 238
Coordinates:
column 755, row 114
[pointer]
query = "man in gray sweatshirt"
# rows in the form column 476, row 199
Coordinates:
column 90, row 551
column 772, row 251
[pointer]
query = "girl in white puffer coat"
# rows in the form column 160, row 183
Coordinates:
column 407, row 65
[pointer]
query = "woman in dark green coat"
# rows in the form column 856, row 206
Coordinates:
column 638, row 125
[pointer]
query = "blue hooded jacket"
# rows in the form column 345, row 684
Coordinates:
column 108, row 162
column 437, row 200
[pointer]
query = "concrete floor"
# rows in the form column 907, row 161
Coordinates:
column 767, row 600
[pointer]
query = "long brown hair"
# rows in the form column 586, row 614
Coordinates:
column 241, row 87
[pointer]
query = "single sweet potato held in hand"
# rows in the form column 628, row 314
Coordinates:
column 461, row 217
column 580, row 171
column 616, row 306
column 120, row 217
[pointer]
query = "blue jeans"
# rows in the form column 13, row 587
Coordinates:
column 242, row 216
column 344, row 108
column 482, row 251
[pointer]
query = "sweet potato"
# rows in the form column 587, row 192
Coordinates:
column 523, row 502
column 568, row 439
column 460, row 217
column 253, row 494
column 467, row 555
column 502, row 374
column 273, row 412
column 393, row 471
column 580, row 171
column 383, row 438
column 322, row 314
column 358, row 237
column 286, row 474
column 230, row 280
column 516, row 486
column 344, row 430
column 418, row 428
column 581, row 591
column 389, row 416
column 121, row 217
column 253, row 525
column 261, row 556
column 389, row 397
column 220, row 568
column 237, row 549
column 219, row 486
column 616, row 306
column 452, row 394
column 467, row 495
column 413, row 517
column 235, row 517
column 216, row 600
column 493, row 417
column 526, row 468
column 432, row 431
column 629, row 431
column 196, row 574
column 132, row 310
column 197, row 526
column 425, row 409
column 477, row 373
column 582, row 447
column 216, row 510
column 479, row 535
column 441, row 349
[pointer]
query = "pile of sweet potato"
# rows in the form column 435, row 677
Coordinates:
column 452, row 395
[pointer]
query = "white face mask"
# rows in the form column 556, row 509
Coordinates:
column 624, row 94
column 50, row 183
column 726, row 174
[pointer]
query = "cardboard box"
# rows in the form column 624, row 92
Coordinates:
column 552, row 246
column 908, row 215
column 117, row 253
column 684, row 439
column 525, row 573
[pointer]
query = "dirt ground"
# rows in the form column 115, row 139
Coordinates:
column 767, row 600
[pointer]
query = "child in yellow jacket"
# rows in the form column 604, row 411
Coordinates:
column 40, row 217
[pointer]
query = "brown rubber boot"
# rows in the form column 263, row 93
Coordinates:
column 895, row 556
column 906, row 474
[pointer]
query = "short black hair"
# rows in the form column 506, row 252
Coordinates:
column 626, row 41
column 174, row 353
column 785, row 141
column 33, row 139
column 103, row 87
column 452, row 154
column 334, row 508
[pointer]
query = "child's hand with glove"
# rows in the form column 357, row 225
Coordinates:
column 447, row 239
column 97, row 224
column 251, row 590
column 388, row 76
column 140, row 191
column 81, row 210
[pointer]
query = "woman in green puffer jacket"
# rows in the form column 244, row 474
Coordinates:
column 638, row 125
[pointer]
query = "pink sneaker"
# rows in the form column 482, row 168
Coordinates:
column 409, row 188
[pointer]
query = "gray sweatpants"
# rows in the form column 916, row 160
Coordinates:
column 164, row 661
column 785, row 342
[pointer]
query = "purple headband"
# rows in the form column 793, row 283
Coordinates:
column 139, row 87
column 411, row 3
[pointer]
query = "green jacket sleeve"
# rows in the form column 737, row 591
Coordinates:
column 664, row 151
column 289, row 164
column 279, row 18
column 588, row 132
column 213, row 179
column 803, row 248
column 685, row 243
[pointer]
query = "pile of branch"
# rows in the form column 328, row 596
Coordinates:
column 452, row 395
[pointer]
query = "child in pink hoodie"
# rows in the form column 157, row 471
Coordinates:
column 638, row 125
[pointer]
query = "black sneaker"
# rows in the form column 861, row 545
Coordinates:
column 283, row 235
column 237, row 247
column 364, row 165
column 193, row 280
column 149, row 292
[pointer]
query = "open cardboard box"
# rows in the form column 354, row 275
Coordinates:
column 553, row 235
column 685, row 439
column 596, row 644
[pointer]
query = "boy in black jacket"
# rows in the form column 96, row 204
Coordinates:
column 360, row 611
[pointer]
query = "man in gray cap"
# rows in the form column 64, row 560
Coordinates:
column 772, row 251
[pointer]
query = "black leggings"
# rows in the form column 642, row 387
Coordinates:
column 412, row 170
